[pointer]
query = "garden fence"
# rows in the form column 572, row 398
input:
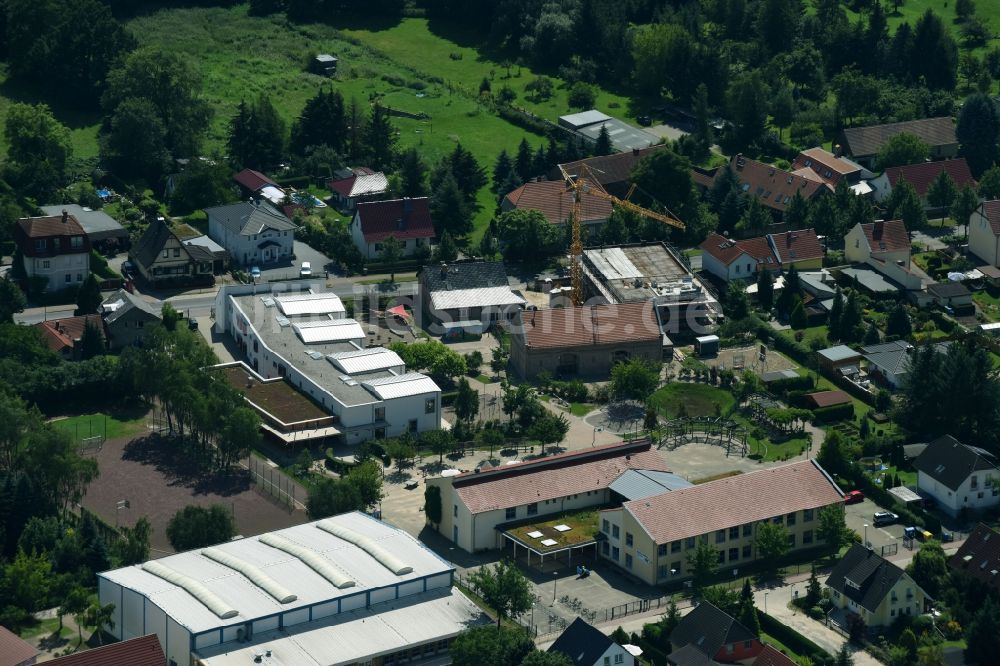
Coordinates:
column 272, row 482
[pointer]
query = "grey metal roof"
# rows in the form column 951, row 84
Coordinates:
column 624, row 137
column 872, row 577
column 205, row 242
column 948, row 289
column 775, row 375
column 870, row 279
column 950, row 462
column 838, row 353
column 247, row 219
column 636, row 484
column 97, row 224
column 894, row 356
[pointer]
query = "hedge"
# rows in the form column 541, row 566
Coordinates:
column 793, row 640
column 803, row 383
column 834, row 413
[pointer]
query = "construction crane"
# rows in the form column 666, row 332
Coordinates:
column 579, row 187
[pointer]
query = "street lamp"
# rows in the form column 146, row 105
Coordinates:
column 597, row 429
column 765, row 603
column 555, row 584
column 866, row 535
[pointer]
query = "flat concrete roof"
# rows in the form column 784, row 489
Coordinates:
column 624, row 137
column 633, row 273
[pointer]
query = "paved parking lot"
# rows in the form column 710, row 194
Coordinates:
column 862, row 513
column 320, row 263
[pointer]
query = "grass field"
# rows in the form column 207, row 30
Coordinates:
column 112, row 426
column 698, row 400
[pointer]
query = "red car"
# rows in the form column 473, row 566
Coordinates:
column 854, row 497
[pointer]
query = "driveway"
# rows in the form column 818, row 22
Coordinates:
column 861, row 514
column 320, row 264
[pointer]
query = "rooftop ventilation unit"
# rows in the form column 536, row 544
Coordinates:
column 192, row 587
column 267, row 301
column 314, row 355
column 282, row 321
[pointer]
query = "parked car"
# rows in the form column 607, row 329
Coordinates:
column 884, row 518
column 193, row 324
column 305, row 270
column 255, row 272
column 854, row 497
column 946, row 536
column 128, row 270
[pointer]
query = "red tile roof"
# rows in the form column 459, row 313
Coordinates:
column 253, row 180
column 400, row 218
column 590, row 325
column 59, row 334
column 736, row 500
column 771, row 656
column 142, row 651
column 979, row 556
column 554, row 476
column 793, row 246
column 828, row 398
column 13, row 649
column 827, row 166
column 52, row 225
column 888, row 236
column 727, row 251
column 922, row 175
column 555, row 202
column 991, row 210
column 772, row 186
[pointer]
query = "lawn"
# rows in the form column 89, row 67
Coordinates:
column 697, row 399
column 112, row 426
column 583, row 528
column 988, row 303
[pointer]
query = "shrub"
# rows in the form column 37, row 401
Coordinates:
column 581, row 95
column 834, row 413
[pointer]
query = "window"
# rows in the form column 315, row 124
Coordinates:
column 720, row 536
column 722, row 557
column 734, row 533
column 734, row 554
column 76, row 242
column 379, row 433
column 747, row 552
column 614, row 531
column 675, row 567
column 661, row 550
column 974, row 483
column 675, row 547
column 510, row 513
column 628, row 561
column 68, row 277
column 40, row 244
column 430, row 404
column 533, row 509
column 607, row 661
column 737, row 268
column 689, row 543
column 807, row 537
column 380, row 413
column 807, row 515
column 46, row 263
column 778, row 520
column 619, row 658
column 166, row 253
column 79, row 277
column 628, row 539
column 747, row 644
column 791, row 541
column 662, row 571
column 55, row 243
column 605, row 547
column 790, row 519
column 454, row 511
column 748, row 530
column 615, row 553
column 605, row 526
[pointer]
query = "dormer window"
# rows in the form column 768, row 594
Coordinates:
column 851, row 584
column 76, row 242
column 40, row 244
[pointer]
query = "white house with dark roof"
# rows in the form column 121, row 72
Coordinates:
column 984, row 232
column 958, row 476
column 866, row 585
column 586, row 645
column 888, row 362
column 253, row 232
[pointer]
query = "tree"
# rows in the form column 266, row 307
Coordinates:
column 503, row 588
column 665, row 176
column 256, row 135
column 329, row 497
column 98, row 616
column 136, row 142
column 634, row 379
column 942, row 191
column 197, row 527
column 765, row 290
column 929, row 568
column 91, row 341
column 543, row 658
column 905, row 203
column 747, row 101
column 701, row 564
column 581, row 95
column 549, row 429
column 439, row 442
column 27, row 581
column 783, row 109
column 75, row 603
column 468, row 174
column 88, row 299
column 898, row 323
column 755, row 218
column 964, row 205
column 38, row 149
column 449, row 208
column 527, row 235
column 322, row 122
column 836, row 313
column 737, row 305
column 134, row 549
column 240, row 433
column 798, row 318
column 12, row 300
column 401, row 450
column 390, row 254
column 432, row 504
column 813, row 590
column 832, row 528
column 380, row 139
column 982, row 639
column 844, row 657
column 964, row 9
column 872, row 336
column 902, row 149
column 935, row 54
column 771, row 542
column 851, row 329
column 202, row 184
column 989, row 184
column 978, row 132
column 466, row 401
column 748, row 616
column 486, row 646
column 490, row 438
column 412, row 174
column 603, row 144
column 446, row 249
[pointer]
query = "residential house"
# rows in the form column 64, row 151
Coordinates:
column 352, row 186
column 468, row 291
column 407, row 220
column 771, row 186
column 55, row 249
column 612, row 172
column 867, row 585
column 103, row 230
column 63, row 336
column 127, row 317
column 984, row 232
column 554, row 200
column 709, row 634
column 958, row 476
column 142, row 651
column 827, row 167
column 585, row 645
column 251, row 182
column 743, row 259
column 771, row 656
column 253, row 232
column 218, row 254
column 476, row 503
column 15, row 651
column 650, row 538
column 862, row 144
column 979, row 556
column 163, row 260
column 920, row 176
column 953, row 295
column 885, row 248
column 587, row 340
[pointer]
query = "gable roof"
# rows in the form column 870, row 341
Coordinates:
column 991, row 211
column 248, row 218
column 799, row 245
column 638, row 483
column 726, row 250
column 589, row 325
column 142, row 651
column 689, row 655
column 923, row 174
column 555, row 201
column 828, row 398
column 825, row 165
column 866, row 141
column 609, row 169
column 554, row 476
column 95, row 223
column 950, row 462
column 465, row 275
column 979, row 556
column 362, row 182
column 871, row 577
column 582, row 643
column 709, row 628
column 122, row 301
column 771, row 656
column 253, row 180
column 773, row 187
column 50, row 225
column 948, row 289
column 152, row 241
column 59, row 334
column 13, row 649
column 400, row 218
column 736, row 500
column 887, row 236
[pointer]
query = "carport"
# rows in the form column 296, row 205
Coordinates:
column 553, row 552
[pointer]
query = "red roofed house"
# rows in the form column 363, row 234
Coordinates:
column 55, row 248
column 773, row 187
column 984, row 232
column 142, row 651
column 827, row 167
column 63, row 335
column 555, row 202
column 921, row 176
column 475, row 503
column 741, row 259
column 660, row 531
column 251, row 181
column 15, row 651
column 407, row 220
column 353, row 186
column 885, row 246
